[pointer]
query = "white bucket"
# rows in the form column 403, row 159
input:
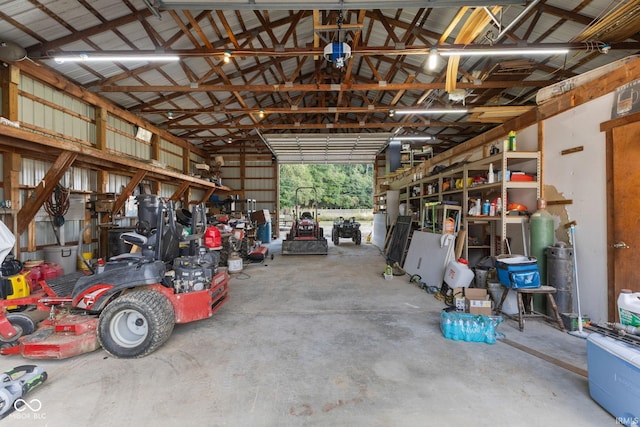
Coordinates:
column 510, row 304
column 629, row 307
column 234, row 264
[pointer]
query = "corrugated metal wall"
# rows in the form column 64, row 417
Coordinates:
column 252, row 172
column 121, row 139
column 171, row 155
column 48, row 110
column 44, row 107
column 80, row 182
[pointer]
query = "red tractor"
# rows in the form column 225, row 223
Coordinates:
column 128, row 306
column 306, row 237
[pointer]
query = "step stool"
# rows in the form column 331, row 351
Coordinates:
column 526, row 311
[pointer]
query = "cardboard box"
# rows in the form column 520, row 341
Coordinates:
column 477, row 301
column 104, row 205
column 261, row 216
column 477, row 306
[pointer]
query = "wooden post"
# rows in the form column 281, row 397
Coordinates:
column 9, row 80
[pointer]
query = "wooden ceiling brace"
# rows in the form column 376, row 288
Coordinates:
column 207, row 195
column 128, row 190
column 179, row 192
column 44, row 189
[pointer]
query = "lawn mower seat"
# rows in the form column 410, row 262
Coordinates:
column 306, row 215
column 131, row 238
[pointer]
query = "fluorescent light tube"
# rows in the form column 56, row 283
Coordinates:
column 412, row 138
column 115, row 58
column 499, row 51
column 432, row 111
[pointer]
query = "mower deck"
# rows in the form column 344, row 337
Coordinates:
column 305, row 247
column 70, row 332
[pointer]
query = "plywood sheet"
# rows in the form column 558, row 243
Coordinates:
column 428, row 255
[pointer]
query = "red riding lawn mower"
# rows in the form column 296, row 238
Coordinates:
column 306, row 237
column 130, row 304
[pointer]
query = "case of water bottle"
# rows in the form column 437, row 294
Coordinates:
column 469, row 327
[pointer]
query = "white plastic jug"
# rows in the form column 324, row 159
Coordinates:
column 458, row 274
column 629, row 307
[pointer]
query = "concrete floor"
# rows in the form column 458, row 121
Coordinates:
column 323, row 341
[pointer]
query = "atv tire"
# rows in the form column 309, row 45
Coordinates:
column 357, row 238
column 335, row 237
column 136, row 324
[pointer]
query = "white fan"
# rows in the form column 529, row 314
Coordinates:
column 11, row 52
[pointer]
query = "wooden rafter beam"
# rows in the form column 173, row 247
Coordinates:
column 301, row 126
column 320, row 87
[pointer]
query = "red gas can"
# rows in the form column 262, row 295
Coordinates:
column 34, row 275
column 50, row 270
column 213, row 238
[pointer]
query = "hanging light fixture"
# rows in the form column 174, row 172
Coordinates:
column 432, row 61
column 338, row 52
column 227, row 56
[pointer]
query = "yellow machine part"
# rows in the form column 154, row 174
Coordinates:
column 20, row 288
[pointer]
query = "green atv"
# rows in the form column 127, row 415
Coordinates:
column 348, row 229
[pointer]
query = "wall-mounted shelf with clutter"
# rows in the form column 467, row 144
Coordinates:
column 501, row 190
column 509, row 179
column 412, row 157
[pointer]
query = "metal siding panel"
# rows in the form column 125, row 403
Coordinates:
column 197, row 194
column 25, row 110
column 116, row 182
column 257, row 184
column 262, row 173
column 196, row 158
column 231, row 173
column 57, row 118
column 232, row 183
column 168, row 190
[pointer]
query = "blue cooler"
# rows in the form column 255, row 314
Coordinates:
column 614, row 377
column 518, row 272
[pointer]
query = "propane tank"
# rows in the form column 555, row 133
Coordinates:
column 541, row 230
column 234, row 263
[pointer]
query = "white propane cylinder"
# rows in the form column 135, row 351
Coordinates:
column 629, row 307
column 234, row 263
column 458, row 274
